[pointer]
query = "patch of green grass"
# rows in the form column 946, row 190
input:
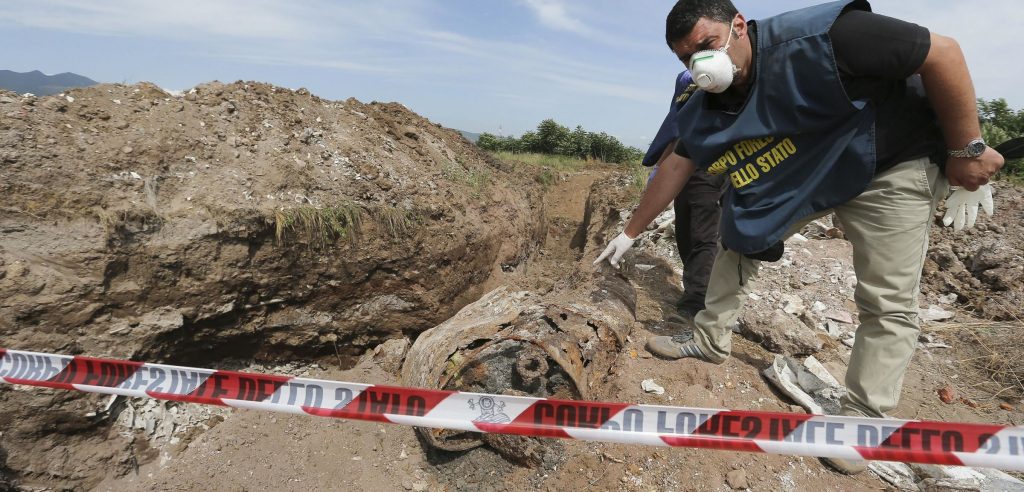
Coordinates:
column 1015, row 179
column 556, row 163
column 549, row 165
column 476, row 180
column 546, row 177
column 318, row 227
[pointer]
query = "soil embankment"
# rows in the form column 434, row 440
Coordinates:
column 238, row 221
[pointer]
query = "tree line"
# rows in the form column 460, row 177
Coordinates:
column 553, row 138
column 1000, row 122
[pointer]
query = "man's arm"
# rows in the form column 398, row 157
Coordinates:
column 667, row 152
column 951, row 93
column 673, row 173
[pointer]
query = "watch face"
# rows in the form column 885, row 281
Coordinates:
column 976, row 148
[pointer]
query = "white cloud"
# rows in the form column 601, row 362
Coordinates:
column 524, row 62
column 606, row 88
column 264, row 19
column 331, row 62
column 555, row 15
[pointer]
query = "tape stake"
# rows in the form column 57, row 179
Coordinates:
column 944, row 443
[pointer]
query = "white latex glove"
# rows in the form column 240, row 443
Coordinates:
column 962, row 207
column 616, row 249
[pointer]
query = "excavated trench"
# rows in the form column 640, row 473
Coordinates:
column 240, row 225
column 557, row 343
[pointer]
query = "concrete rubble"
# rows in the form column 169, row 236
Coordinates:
column 808, row 383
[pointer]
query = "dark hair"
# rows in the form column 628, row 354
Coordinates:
column 686, row 13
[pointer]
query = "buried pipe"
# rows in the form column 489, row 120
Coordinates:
column 560, row 345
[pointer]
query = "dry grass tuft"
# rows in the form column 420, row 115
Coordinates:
column 397, row 222
column 998, row 356
column 318, row 227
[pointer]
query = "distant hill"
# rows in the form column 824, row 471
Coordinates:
column 41, row 84
column 472, row 137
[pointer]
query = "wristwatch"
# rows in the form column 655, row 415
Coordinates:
column 974, row 148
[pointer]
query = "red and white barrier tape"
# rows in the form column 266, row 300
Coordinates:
column 943, row 443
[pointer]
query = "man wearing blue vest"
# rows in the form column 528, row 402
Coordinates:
column 827, row 108
column 696, row 207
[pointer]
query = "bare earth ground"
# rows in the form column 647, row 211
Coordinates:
column 252, row 450
column 190, row 447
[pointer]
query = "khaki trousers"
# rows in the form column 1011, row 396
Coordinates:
column 887, row 225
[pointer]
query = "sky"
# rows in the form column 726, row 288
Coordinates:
column 498, row 66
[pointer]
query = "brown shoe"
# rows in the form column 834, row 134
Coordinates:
column 846, row 467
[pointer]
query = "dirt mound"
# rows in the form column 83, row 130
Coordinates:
column 237, row 220
column 982, row 269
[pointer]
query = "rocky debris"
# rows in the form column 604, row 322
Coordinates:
column 840, row 316
column 792, row 304
column 934, row 313
column 649, row 386
column 897, row 474
column 807, row 383
column 164, row 423
column 780, row 332
column 936, row 478
column 833, row 329
column 999, row 265
column 947, row 394
column 390, row 354
column 737, row 479
column 823, row 228
column 929, row 340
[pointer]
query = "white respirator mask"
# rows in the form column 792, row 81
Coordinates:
column 713, row 70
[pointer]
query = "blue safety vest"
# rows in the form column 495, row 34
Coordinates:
column 797, row 146
column 668, row 131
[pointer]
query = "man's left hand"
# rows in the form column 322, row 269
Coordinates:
column 970, row 173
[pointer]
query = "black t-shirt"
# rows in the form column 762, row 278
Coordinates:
column 877, row 57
